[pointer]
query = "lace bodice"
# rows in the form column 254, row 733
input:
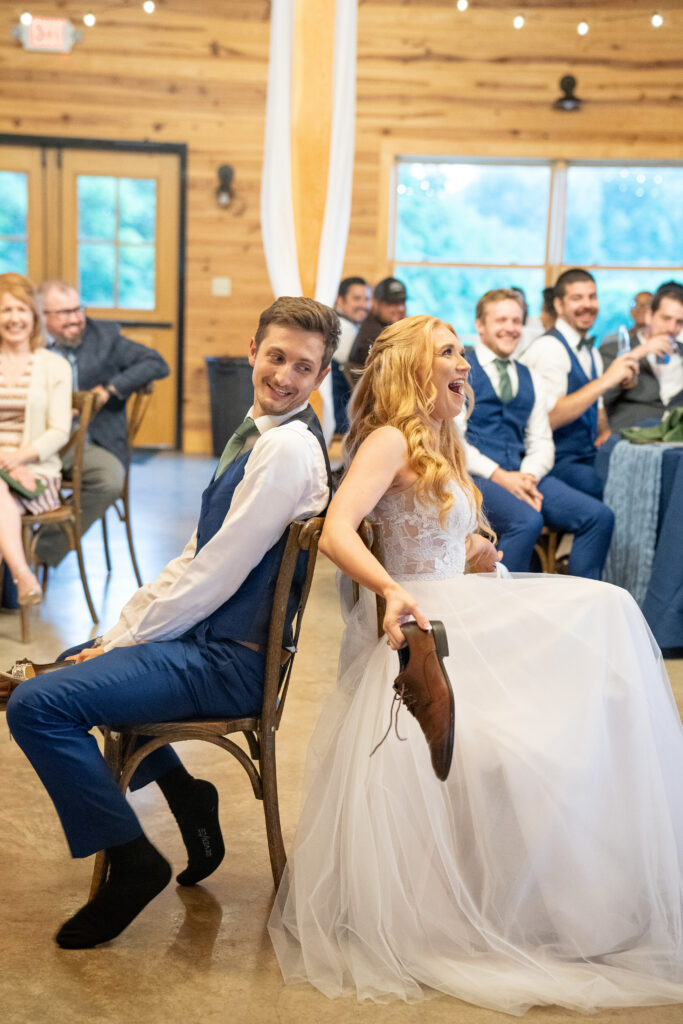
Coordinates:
column 414, row 543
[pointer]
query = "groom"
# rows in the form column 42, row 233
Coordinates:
column 192, row 643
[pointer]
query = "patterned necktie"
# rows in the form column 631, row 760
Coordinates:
column 585, row 343
column 236, row 443
column 504, row 380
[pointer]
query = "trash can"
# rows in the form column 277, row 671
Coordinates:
column 231, row 395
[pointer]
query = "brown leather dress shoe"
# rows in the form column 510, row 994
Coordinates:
column 20, row 671
column 424, row 687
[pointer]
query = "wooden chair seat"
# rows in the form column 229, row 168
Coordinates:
column 259, row 732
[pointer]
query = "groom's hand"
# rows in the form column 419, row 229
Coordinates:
column 86, row 655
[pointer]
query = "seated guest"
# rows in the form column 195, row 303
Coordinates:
column 111, row 366
column 354, row 301
column 548, row 316
column 575, row 381
column 388, row 307
column 509, row 450
column 35, row 420
column 532, row 326
column 660, row 362
column 640, row 311
column 192, row 643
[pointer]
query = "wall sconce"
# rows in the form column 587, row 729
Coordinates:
column 568, row 100
column 224, row 193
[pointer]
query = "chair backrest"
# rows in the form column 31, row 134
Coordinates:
column 303, row 535
column 83, row 403
column 138, row 403
column 368, row 531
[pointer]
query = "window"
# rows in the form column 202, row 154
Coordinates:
column 464, row 226
column 116, row 241
column 13, row 222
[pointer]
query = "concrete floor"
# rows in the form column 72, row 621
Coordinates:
column 194, row 955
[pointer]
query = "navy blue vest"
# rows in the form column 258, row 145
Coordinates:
column 246, row 615
column 578, row 437
column 497, row 428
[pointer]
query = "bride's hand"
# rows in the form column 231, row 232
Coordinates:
column 401, row 606
column 481, row 554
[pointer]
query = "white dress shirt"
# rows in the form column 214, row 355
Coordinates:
column 669, row 375
column 285, row 479
column 349, row 330
column 548, row 356
column 539, row 455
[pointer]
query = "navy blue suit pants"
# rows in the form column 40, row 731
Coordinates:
column 518, row 524
column 579, row 472
column 51, row 716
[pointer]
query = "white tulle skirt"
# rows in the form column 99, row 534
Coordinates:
column 548, row 868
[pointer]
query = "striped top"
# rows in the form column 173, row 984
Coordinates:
column 13, row 401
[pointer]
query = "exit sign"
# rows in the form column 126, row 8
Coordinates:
column 52, row 35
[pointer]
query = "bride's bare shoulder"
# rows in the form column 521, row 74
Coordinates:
column 388, row 448
column 388, row 440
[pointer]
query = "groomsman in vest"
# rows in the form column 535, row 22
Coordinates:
column 575, row 381
column 509, row 449
column 192, row 643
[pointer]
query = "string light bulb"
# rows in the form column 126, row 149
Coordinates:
column 89, row 20
column 462, row 5
column 518, row 21
column 149, row 6
column 26, row 18
column 657, row 21
column 582, row 28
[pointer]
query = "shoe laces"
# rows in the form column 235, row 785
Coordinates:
column 398, row 699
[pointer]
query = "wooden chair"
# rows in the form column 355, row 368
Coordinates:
column 546, row 548
column 68, row 514
column 368, row 531
column 259, row 731
column 137, row 409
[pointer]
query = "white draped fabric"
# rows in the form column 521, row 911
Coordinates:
column 277, row 211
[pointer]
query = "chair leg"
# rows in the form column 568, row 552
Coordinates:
column 24, row 619
column 114, row 754
column 99, row 873
column 129, row 535
column 552, row 550
column 271, row 809
column 105, row 541
column 84, row 578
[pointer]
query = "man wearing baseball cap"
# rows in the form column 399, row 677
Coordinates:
column 388, row 307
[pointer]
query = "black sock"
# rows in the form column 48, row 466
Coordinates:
column 137, row 874
column 194, row 803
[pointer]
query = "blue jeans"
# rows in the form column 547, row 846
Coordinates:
column 51, row 716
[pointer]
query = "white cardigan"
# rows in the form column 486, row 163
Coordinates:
column 47, row 423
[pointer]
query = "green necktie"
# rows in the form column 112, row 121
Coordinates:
column 504, row 380
column 585, row 343
column 246, row 429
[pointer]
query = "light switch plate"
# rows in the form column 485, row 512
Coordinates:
column 221, row 286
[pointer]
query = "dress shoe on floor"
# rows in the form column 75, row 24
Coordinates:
column 424, row 687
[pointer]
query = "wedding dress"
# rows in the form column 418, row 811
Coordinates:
column 548, row 868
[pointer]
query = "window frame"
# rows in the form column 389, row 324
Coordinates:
column 556, row 220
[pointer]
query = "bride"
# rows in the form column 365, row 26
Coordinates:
column 547, row 869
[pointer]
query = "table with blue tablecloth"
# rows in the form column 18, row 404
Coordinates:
column 662, row 604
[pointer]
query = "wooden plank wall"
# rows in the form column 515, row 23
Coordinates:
column 430, row 81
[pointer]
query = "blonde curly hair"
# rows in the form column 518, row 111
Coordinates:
column 396, row 389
